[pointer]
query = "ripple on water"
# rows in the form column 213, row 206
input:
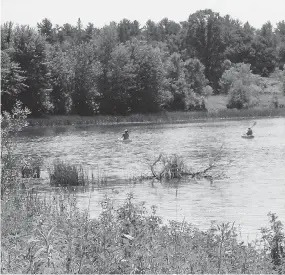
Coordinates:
column 253, row 186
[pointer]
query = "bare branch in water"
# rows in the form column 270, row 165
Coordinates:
column 173, row 167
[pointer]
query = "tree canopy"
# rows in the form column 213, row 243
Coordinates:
column 126, row 68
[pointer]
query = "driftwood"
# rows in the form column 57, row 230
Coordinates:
column 173, row 167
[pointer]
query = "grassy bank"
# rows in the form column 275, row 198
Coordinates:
column 165, row 117
column 50, row 235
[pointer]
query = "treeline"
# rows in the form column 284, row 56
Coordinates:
column 127, row 68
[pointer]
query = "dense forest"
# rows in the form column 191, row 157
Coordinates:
column 127, row 68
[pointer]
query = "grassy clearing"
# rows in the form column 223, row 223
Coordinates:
column 50, row 235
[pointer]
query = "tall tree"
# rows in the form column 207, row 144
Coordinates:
column 104, row 44
column 46, row 29
column 194, row 75
column 121, row 79
column 6, row 35
column 12, row 81
column 149, row 77
column 30, row 53
column 87, row 70
column 127, row 30
column 205, row 42
column 62, row 77
column 175, row 82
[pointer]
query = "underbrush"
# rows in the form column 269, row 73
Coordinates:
column 50, row 235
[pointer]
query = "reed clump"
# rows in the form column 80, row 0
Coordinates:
column 65, row 174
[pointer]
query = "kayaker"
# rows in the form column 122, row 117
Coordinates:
column 249, row 132
column 126, row 135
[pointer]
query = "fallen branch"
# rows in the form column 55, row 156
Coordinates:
column 173, row 167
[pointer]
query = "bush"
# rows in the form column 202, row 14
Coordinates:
column 31, row 168
column 207, row 91
column 51, row 235
column 241, row 96
column 11, row 124
column 239, row 72
column 63, row 174
column 194, row 102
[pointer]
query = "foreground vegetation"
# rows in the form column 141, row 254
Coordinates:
column 50, row 235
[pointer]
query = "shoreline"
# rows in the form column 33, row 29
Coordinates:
column 153, row 119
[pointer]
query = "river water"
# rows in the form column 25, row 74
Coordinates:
column 253, row 184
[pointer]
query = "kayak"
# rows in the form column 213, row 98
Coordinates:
column 248, row 137
column 125, row 140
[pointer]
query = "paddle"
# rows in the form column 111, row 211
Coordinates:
column 253, row 124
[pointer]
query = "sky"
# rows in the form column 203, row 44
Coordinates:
column 256, row 12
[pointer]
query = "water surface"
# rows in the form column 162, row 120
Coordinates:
column 254, row 181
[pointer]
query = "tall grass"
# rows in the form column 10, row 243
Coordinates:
column 164, row 117
column 50, row 235
column 64, row 174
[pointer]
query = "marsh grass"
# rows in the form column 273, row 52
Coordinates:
column 31, row 167
column 160, row 118
column 50, row 235
column 65, row 174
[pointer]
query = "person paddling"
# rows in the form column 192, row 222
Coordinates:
column 249, row 132
column 125, row 135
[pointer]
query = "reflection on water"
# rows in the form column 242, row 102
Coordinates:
column 253, row 186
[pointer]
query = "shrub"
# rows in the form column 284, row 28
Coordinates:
column 194, row 102
column 241, row 96
column 207, row 91
column 31, row 168
column 239, row 72
column 50, row 235
column 64, row 174
column 273, row 240
column 238, row 96
column 11, row 124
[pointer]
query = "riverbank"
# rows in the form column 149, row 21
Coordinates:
column 51, row 235
column 159, row 118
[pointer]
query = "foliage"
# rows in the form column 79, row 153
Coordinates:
column 30, row 53
column 204, row 41
column 121, row 79
column 62, row 80
column 273, row 241
column 176, row 82
column 87, row 71
column 50, row 235
column 241, row 96
column 12, row 81
column 76, row 69
column 186, row 82
column 149, row 77
column 239, row 71
column 11, row 124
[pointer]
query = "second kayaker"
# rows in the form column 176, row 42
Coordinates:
column 249, row 132
column 125, row 135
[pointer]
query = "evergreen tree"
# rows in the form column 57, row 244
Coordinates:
column 31, row 54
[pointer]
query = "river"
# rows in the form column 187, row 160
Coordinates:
column 253, row 184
